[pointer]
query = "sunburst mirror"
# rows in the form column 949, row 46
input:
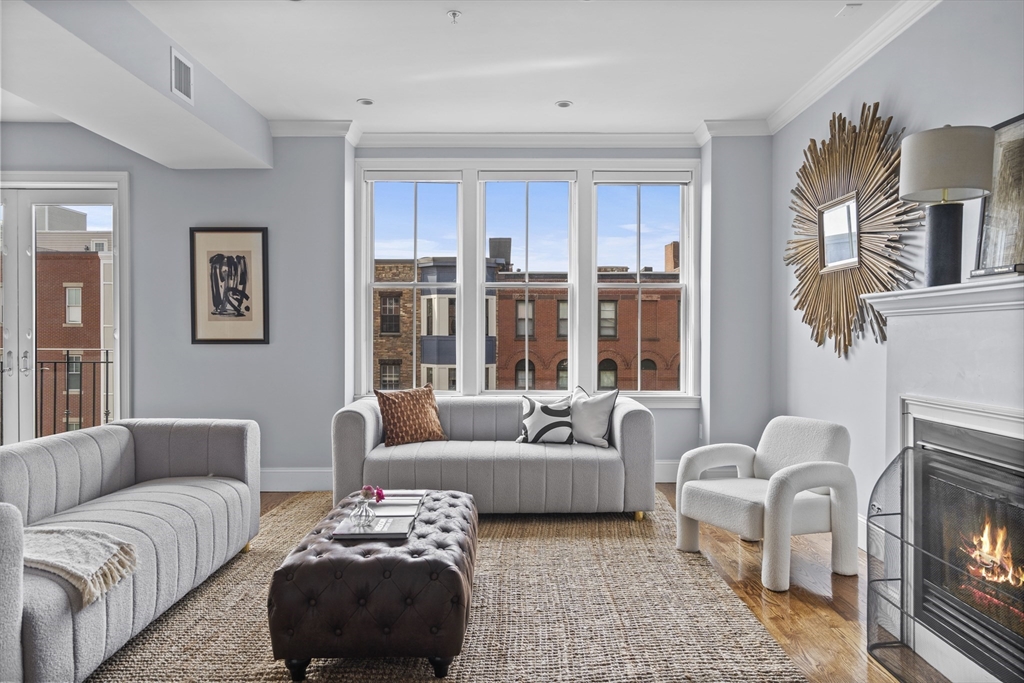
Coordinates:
column 849, row 219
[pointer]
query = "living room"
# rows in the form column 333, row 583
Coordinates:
column 227, row 224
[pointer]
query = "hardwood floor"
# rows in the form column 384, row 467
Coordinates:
column 819, row 622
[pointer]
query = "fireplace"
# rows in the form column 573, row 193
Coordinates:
column 945, row 522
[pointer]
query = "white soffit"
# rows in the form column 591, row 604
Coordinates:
column 15, row 109
column 47, row 65
column 884, row 31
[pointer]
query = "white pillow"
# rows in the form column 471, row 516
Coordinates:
column 546, row 422
column 592, row 416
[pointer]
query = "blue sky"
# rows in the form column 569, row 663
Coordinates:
column 505, row 216
column 96, row 217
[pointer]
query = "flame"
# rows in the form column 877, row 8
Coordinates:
column 991, row 557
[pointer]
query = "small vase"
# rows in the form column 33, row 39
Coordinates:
column 363, row 515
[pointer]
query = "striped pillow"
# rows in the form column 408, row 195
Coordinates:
column 546, row 422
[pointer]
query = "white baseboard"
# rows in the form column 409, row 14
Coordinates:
column 665, row 471
column 296, row 479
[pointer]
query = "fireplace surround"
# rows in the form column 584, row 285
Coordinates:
column 944, row 521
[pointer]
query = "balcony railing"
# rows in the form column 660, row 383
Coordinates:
column 70, row 394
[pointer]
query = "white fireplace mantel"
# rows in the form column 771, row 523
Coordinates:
column 994, row 293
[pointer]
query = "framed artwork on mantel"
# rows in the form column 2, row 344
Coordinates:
column 229, row 286
column 1001, row 233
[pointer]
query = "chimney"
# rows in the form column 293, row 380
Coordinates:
column 672, row 257
column 501, row 248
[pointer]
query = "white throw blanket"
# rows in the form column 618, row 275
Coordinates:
column 91, row 561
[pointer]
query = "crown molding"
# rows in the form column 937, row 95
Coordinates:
column 316, row 129
column 528, row 140
column 884, row 31
column 722, row 128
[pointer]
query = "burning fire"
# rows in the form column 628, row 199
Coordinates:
column 991, row 557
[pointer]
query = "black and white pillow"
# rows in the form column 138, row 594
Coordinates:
column 546, row 422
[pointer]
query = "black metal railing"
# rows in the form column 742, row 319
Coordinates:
column 70, row 394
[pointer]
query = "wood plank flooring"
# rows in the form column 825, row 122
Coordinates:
column 820, row 622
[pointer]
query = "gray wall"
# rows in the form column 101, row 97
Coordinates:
column 291, row 386
column 735, row 288
column 962, row 63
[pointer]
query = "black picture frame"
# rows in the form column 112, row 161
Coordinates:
column 980, row 267
column 249, row 329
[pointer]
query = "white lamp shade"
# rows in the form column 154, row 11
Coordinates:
column 950, row 164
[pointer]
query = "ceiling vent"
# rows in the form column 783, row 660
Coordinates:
column 181, row 77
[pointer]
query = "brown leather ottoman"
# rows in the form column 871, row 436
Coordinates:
column 378, row 599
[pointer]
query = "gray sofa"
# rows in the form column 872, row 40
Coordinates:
column 184, row 492
column 482, row 457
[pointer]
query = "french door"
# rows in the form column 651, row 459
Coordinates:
column 58, row 311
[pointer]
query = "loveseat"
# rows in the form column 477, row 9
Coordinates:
column 185, row 493
column 482, row 457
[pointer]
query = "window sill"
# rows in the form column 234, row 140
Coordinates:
column 664, row 400
column 73, row 325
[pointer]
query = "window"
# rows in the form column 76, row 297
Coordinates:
column 451, row 379
column 74, row 368
column 521, row 377
column 563, row 318
column 99, row 245
column 74, row 424
column 607, row 316
column 572, row 260
column 430, row 376
column 524, row 318
column 390, row 315
column 390, row 375
column 607, row 374
column 640, row 279
column 73, row 299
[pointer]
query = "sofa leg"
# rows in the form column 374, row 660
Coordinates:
column 638, row 516
column 297, row 668
column 247, row 548
column 441, row 665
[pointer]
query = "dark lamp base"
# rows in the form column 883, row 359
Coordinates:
column 943, row 244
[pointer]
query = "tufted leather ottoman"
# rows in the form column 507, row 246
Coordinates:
column 378, row 599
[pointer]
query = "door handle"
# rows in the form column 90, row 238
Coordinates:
column 25, row 369
column 10, row 363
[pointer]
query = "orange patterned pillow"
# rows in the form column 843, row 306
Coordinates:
column 410, row 416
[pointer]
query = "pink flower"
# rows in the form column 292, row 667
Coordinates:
column 378, row 494
column 367, row 492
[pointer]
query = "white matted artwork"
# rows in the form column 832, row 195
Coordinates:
column 229, row 286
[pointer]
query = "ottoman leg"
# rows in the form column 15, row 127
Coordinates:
column 297, row 667
column 441, row 665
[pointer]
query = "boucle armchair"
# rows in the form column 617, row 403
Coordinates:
column 796, row 482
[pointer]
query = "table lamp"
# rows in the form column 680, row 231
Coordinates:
column 942, row 168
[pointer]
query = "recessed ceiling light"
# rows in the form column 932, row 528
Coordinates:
column 365, row 100
column 453, row 15
column 848, row 9
column 563, row 104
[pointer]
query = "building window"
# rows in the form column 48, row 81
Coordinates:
column 521, row 378
column 607, row 374
column 390, row 375
column 562, row 373
column 563, row 319
column 648, row 375
column 99, row 245
column 524, row 318
column 390, row 315
column 451, row 317
column 430, row 376
column 74, row 425
column 607, row 322
column 74, row 373
column 428, row 304
column 73, row 307
column 451, row 379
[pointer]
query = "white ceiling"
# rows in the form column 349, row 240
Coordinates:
column 14, row 108
column 630, row 66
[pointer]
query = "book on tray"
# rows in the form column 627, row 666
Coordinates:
column 394, row 520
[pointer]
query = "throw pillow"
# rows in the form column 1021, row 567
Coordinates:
column 546, row 422
column 409, row 416
column 592, row 416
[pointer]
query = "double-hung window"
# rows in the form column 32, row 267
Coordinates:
column 640, row 285
column 73, row 305
column 559, row 273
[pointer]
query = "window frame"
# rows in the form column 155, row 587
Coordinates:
column 391, row 297
column 472, row 172
column 68, row 306
column 600, row 318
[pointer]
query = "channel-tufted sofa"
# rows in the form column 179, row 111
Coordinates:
column 185, row 493
column 481, row 457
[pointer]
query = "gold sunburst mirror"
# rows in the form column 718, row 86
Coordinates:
column 848, row 223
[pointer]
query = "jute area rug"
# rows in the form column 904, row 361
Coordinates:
column 586, row 598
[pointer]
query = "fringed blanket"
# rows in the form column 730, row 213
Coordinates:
column 91, row 561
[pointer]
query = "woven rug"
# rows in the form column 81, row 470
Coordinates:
column 586, row 598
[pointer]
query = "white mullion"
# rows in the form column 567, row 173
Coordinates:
column 526, row 291
column 583, row 352
column 415, row 274
column 470, row 345
column 639, row 290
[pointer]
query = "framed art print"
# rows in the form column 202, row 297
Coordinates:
column 1001, row 233
column 229, row 286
